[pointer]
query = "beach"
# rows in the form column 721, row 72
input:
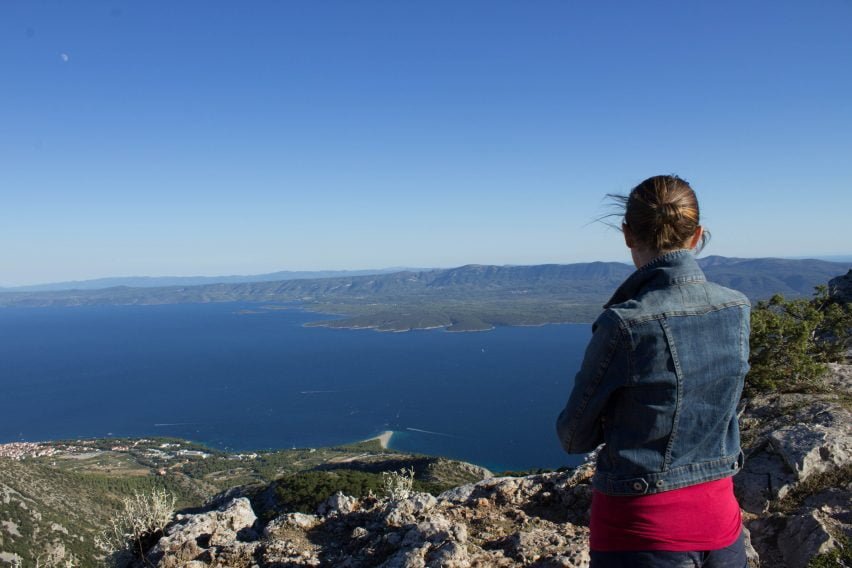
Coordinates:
column 383, row 438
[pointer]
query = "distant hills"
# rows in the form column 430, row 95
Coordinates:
column 160, row 281
column 760, row 278
column 467, row 298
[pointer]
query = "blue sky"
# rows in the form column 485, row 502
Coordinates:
column 208, row 137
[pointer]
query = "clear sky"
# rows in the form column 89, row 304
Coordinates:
column 210, row 137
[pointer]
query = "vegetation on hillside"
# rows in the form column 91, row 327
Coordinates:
column 792, row 340
column 50, row 506
column 304, row 492
column 64, row 501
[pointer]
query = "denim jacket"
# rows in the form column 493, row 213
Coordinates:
column 660, row 381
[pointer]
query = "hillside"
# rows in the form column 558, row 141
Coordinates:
column 795, row 491
column 56, row 496
column 467, row 298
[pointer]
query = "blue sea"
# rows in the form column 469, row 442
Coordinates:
column 243, row 381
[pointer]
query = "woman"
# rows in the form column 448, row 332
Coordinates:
column 659, row 387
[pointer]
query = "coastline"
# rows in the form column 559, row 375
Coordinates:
column 376, row 328
column 384, row 439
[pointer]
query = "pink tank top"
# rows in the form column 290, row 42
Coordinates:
column 695, row 518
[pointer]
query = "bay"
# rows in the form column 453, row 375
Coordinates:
column 236, row 377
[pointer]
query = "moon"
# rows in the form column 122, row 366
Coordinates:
column 64, row 57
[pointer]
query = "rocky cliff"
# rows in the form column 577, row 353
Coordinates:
column 795, row 491
column 796, row 486
column 536, row 520
column 840, row 288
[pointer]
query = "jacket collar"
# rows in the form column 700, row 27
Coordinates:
column 673, row 267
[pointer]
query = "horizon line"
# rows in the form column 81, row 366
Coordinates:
column 839, row 258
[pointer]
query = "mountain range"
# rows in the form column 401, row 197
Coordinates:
column 466, row 298
column 159, row 281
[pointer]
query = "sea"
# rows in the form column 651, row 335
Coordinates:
column 240, row 377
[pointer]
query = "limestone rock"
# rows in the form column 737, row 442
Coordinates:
column 406, row 558
column 814, row 448
column 519, row 521
column 765, row 477
column 194, row 535
column 405, row 511
column 798, row 454
column 292, row 521
column 839, row 379
column 752, row 556
column 580, row 560
column 234, row 516
column 460, row 494
column 527, row 546
column 449, row 555
column 805, row 537
column 337, row 504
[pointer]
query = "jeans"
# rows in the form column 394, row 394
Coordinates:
column 733, row 556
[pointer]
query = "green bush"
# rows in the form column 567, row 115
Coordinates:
column 792, row 340
column 304, row 492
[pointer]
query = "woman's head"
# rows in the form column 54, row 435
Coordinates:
column 661, row 214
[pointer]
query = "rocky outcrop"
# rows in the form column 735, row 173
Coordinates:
column 796, row 486
column 795, row 491
column 197, row 538
column 538, row 520
column 840, row 288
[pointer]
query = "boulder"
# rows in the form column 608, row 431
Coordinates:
column 405, row 511
column 449, row 555
column 823, row 444
column 191, row 536
column 338, row 504
column 765, row 477
column 289, row 522
column 804, row 537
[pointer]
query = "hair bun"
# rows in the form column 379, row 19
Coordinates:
column 669, row 211
column 662, row 213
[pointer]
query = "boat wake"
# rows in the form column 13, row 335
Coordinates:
column 432, row 433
